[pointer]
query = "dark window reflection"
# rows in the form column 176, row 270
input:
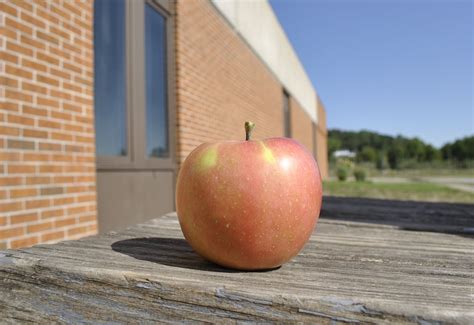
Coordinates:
column 109, row 77
column 156, row 88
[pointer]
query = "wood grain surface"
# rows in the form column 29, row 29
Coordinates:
column 369, row 261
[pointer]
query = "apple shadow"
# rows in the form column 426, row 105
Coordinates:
column 174, row 252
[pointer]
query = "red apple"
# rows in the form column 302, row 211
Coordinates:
column 249, row 205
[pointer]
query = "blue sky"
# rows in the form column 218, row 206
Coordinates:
column 392, row 66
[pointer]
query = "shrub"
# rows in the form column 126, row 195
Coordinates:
column 342, row 173
column 344, row 167
column 359, row 174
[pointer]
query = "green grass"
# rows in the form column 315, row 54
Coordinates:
column 398, row 191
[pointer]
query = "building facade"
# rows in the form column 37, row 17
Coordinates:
column 102, row 101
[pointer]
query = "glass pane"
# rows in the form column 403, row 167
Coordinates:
column 156, row 88
column 109, row 77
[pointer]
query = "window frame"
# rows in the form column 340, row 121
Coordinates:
column 137, row 158
column 286, row 113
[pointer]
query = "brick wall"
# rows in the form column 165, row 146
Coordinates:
column 322, row 141
column 220, row 82
column 301, row 125
column 47, row 153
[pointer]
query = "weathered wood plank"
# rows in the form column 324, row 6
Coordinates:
column 350, row 271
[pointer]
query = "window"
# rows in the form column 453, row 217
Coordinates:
column 110, row 77
column 156, row 88
column 133, row 70
column 286, row 114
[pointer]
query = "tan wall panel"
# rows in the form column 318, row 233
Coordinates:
column 139, row 196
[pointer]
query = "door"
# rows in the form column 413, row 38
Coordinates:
column 134, row 111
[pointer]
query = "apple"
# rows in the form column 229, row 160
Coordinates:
column 249, row 205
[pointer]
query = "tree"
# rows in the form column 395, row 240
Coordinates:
column 381, row 162
column 334, row 144
column 460, row 150
column 368, row 154
column 431, row 154
column 395, row 155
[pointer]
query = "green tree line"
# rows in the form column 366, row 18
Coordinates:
column 387, row 151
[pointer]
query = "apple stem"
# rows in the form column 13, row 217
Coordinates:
column 248, row 130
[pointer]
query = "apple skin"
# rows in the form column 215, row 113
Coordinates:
column 249, row 205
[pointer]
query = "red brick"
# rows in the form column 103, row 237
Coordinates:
column 34, row 111
column 11, row 232
column 63, row 201
column 56, row 235
column 6, row 130
column 76, row 231
column 14, row 47
column 19, row 193
column 18, row 72
column 53, row 169
column 48, row 99
column 52, row 213
column 8, row 57
column 34, row 204
column 24, row 242
column 25, row 5
column 61, row 136
column 9, row 106
column 32, row 20
column 47, row 37
column 64, row 222
column 24, row 217
column 35, row 156
column 88, row 218
column 10, row 206
column 43, row 101
column 8, row 9
column 33, row 133
column 9, row 82
column 49, row 124
column 50, row 146
column 63, row 179
column 21, row 169
column 32, row 42
column 10, row 181
column 18, row 119
column 39, row 227
column 18, row 26
column 33, row 87
column 47, row 80
column 34, row 180
column 20, row 144
column 9, row 156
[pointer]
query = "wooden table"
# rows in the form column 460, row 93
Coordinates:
column 370, row 261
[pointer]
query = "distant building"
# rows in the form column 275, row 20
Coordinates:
column 103, row 100
column 344, row 154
